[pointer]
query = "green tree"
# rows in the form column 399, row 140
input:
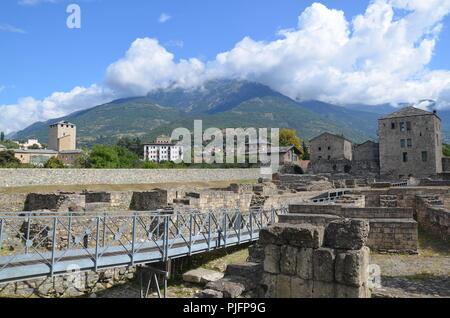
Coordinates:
column 111, row 157
column 2, row 136
column 289, row 137
column 446, row 150
column 54, row 163
column 134, row 145
column 35, row 146
column 8, row 160
column 306, row 155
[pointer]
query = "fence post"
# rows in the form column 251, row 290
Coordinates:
column 190, row 233
column 133, row 239
column 225, row 221
column 209, row 230
column 251, row 225
column 166, row 237
column 1, row 233
column 55, row 223
column 97, row 238
column 69, row 232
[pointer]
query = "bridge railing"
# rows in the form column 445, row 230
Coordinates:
column 46, row 244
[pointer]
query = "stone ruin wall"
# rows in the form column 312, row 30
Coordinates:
column 70, row 285
column 433, row 216
column 304, row 261
column 391, row 229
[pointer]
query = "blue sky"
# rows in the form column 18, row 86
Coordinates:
column 40, row 55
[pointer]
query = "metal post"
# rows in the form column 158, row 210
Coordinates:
column 55, row 223
column 104, row 231
column 225, row 228
column 239, row 227
column 133, row 239
column 166, row 237
column 251, row 225
column 69, row 234
column 28, row 234
column 190, row 234
column 1, row 233
column 97, row 238
column 209, row 231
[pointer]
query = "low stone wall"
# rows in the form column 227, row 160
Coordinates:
column 391, row 229
column 28, row 177
column 303, row 261
column 433, row 219
column 76, row 284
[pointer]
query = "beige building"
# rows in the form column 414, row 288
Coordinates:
column 330, row 147
column 62, row 136
column 36, row 157
column 410, row 144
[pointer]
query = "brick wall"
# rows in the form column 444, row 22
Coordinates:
column 433, row 219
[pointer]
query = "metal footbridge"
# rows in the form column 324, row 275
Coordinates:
column 44, row 244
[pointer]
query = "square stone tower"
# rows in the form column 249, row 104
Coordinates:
column 62, row 136
column 410, row 144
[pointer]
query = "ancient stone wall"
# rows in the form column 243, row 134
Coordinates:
column 304, row 261
column 391, row 229
column 71, row 285
column 27, row 177
column 433, row 218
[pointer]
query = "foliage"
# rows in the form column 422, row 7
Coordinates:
column 54, row 163
column 306, row 154
column 8, row 160
column 289, row 137
column 446, row 150
column 10, row 144
column 134, row 145
column 2, row 136
column 35, row 146
column 111, row 157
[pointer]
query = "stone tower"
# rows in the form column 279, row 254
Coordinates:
column 62, row 136
column 410, row 144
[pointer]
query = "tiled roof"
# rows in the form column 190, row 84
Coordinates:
column 330, row 134
column 408, row 112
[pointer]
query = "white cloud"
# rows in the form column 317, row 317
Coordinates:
column 11, row 28
column 147, row 65
column 380, row 56
column 35, row 2
column 2, row 88
column 29, row 110
column 164, row 17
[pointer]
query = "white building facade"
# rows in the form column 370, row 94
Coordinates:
column 163, row 152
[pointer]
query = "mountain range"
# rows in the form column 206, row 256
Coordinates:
column 221, row 104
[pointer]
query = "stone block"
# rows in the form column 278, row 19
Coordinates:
column 210, row 293
column 347, row 234
column 324, row 289
column 303, row 235
column 283, row 286
column 301, row 288
column 344, row 291
column 230, row 287
column 247, row 270
column 324, row 265
column 352, row 267
column 272, row 235
column 201, row 276
column 272, row 259
column 269, row 285
column 304, row 269
column 288, row 262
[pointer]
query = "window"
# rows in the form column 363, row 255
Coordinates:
column 408, row 126
column 329, row 157
column 424, row 156
column 329, row 148
column 402, row 127
column 403, row 143
column 320, row 148
column 405, row 157
column 392, row 125
column 409, row 143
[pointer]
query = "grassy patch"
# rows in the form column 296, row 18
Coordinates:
column 430, row 245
